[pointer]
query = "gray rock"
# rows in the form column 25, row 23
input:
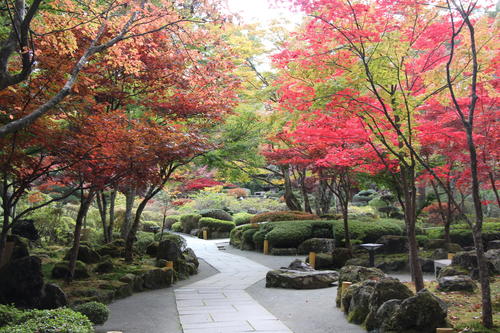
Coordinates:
column 493, row 258
column 52, row 297
column 456, row 283
column 393, row 244
column 392, row 265
column 85, row 254
column 494, row 244
column 386, row 289
column 452, row 271
column 299, row 265
column 359, row 306
column 106, row 266
column 61, row 270
column 21, row 282
column 340, row 256
column 191, row 257
column 157, row 278
column 423, row 313
column 383, row 315
column 169, row 250
column 436, row 244
column 427, row 265
column 194, row 232
column 295, row 279
column 355, row 274
column 184, row 269
column 439, row 254
column 318, row 245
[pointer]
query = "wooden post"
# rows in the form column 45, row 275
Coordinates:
column 266, row 246
column 312, row 259
column 444, row 330
column 205, row 234
column 450, row 256
column 170, row 265
column 345, row 285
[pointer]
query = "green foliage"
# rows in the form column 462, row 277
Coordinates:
column 282, row 216
column 143, row 240
column 62, row 320
column 150, row 225
column 462, row 234
column 422, row 240
column 248, row 235
column 52, row 225
column 97, row 312
column 173, row 237
column 189, row 222
column 215, row 225
column 242, row 218
column 369, row 232
column 291, row 234
column 169, row 220
column 218, row 214
column 177, row 227
column 9, row 314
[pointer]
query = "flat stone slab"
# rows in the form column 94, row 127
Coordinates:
column 295, row 279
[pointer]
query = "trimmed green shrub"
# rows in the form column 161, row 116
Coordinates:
column 215, row 225
column 97, row 312
column 143, row 241
column 422, row 240
column 236, row 235
column 189, row 222
column 62, row 320
column 177, row 227
column 369, row 232
column 169, row 220
column 218, row 214
column 242, row 218
column 258, row 239
column 462, row 234
column 291, row 234
column 179, row 240
column 283, row 216
column 248, row 235
column 9, row 314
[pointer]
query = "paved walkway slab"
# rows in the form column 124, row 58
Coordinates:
column 220, row 304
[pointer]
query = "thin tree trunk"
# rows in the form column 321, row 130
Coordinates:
column 129, row 206
column 291, row 201
column 345, row 217
column 494, row 188
column 103, row 208
column 82, row 212
column 129, row 243
column 111, row 224
column 307, row 204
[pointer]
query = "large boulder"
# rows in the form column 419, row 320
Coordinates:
column 157, row 278
column 184, row 269
column 392, row 264
column 427, row 265
column 452, row 271
column 340, row 257
column 318, row 245
column 61, row 270
column 21, row 282
column 300, row 275
column 423, row 313
column 52, row 297
column 21, row 247
column 85, row 254
column 359, row 305
column 152, row 249
column 493, row 258
column 191, row 257
column 439, row 254
column 355, row 274
column 114, row 249
column 456, row 283
column 169, row 250
column 393, row 244
column 26, row 229
column 106, row 266
column 386, row 289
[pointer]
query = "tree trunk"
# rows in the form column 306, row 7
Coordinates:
column 82, row 212
column 410, row 203
column 307, row 204
column 112, row 200
column 129, row 243
column 129, row 206
column 345, row 217
column 103, row 212
column 6, row 206
column 291, row 201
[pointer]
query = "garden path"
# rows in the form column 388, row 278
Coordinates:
column 219, row 303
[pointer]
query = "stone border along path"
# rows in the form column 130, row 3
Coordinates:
column 220, row 304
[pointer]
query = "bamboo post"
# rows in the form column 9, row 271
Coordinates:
column 345, row 285
column 312, row 259
column 205, row 234
column 170, row 265
column 444, row 330
column 266, row 246
column 450, row 256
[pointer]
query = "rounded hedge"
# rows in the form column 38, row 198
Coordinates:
column 97, row 312
column 62, row 320
column 218, row 214
column 282, row 216
column 242, row 218
column 177, row 227
column 215, row 225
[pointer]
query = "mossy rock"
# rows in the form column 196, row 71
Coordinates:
column 452, row 270
column 114, row 249
column 106, row 266
column 340, row 256
column 356, row 274
column 359, row 305
column 61, row 270
column 85, row 254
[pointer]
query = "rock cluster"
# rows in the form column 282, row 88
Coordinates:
column 386, row 305
column 300, row 275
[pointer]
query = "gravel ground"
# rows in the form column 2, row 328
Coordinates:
column 151, row 311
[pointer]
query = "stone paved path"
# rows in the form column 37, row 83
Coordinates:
column 220, row 304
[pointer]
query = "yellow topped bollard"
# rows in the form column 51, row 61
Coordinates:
column 205, row 234
column 444, row 330
column 266, row 246
column 312, row 259
column 170, row 265
column 450, row 256
column 345, row 285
